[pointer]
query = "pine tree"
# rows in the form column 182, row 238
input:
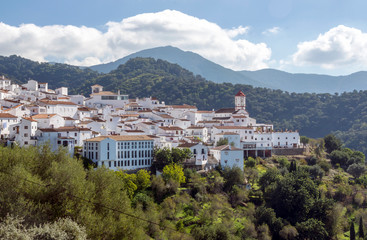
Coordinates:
column 360, row 230
column 352, row 232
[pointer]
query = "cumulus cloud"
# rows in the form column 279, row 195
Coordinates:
column 340, row 46
column 89, row 46
column 271, row 31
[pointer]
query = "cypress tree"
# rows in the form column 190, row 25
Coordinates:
column 352, row 232
column 360, row 230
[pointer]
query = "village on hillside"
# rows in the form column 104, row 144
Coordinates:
column 121, row 133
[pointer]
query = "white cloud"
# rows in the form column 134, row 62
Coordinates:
column 85, row 45
column 340, row 46
column 234, row 32
column 272, row 31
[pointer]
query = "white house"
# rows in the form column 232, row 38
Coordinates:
column 199, row 153
column 25, row 132
column 68, row 137
column 6, row 122
column 228, row 156
column 120, row 152
column 49, row 120
column 233, row 138
column 199, row 132
column 62, row 108
column 286, row 139
column 100, row 97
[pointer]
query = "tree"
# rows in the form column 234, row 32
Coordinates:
column 222, row 141
column 339, row 157
column 175, row 172
column 304, row 140
column 311, row 229
column 288, row 232
column 233, row 176
column 360, row 229
column 320, row 147
column 179, row 155
column 356, row 170
column 292, row 197
column 332, row 143
column 164, row 156
column 250, row 162
column 352, row 232
column 143, row 179
column 271, row 175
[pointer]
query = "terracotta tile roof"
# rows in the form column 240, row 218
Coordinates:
column 134, row 131
column 187, row 145
column 7, row 115
column 171, row 128
column 240, row 94
column 232, row 127
column 50, row 102
column 204, row 111
column 227, row 133
column 29, row 119
column 104, row 93
column 211, row 121
column 121, row 138
column 226, row 110
column 43, row 116
column 195, row 127
column 85, row 109
column 69, row 119
column 65, row 129
column 183, row 106
column 165, row 116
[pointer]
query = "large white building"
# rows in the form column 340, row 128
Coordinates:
column 120, row 152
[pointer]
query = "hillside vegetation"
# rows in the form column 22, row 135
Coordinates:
column 314, row 115
column 48, row 195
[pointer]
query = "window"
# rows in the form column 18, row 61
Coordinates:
column 58, row 142
column 108, row 146
column 25, row 127
column 25, row 143
column 75, row 134
column 97, row 155
column 194, row 151
column 202, row 151
column 25, row 134
column 109, row 163
column 108, row 155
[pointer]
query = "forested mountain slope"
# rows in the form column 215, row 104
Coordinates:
column 314, row 115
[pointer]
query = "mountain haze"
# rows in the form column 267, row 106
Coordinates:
column 270, row 78
column 188, row 60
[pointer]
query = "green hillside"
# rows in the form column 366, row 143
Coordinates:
column 314, row 115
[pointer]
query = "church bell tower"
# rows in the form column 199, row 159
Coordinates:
column 240, row 101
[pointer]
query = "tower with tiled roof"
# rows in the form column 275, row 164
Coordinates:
column 240, row 101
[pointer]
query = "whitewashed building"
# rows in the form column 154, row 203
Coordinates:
column 120, row 152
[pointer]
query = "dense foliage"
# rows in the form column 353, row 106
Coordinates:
column 314, row 115
column 48, row 195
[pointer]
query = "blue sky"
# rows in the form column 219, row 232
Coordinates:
column 323, row 36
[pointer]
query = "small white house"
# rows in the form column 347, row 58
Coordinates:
column 228, row 156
